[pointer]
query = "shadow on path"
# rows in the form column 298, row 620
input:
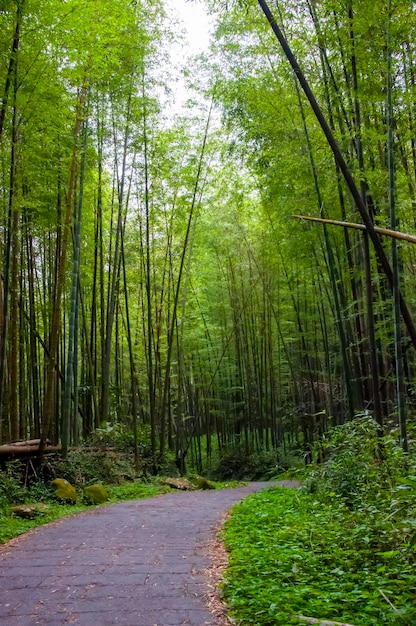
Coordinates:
column 137, row 563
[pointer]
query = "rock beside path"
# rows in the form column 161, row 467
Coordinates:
column 29, row 511
column 180, row 483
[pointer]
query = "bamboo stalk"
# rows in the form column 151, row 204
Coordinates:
column 70, row 378
column 398, row 351
column 10, row 222
column 55, row 328
column 114, row 275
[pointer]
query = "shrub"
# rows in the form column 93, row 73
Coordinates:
column 121, row 438
column 359, row 463
column 261, row 465
column 12, row 491
column 83, row 467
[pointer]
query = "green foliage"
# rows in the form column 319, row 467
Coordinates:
column 120, row 437
column 337, row 548
column 292, row 554
column 41, row 491
column 11, row 489
column 86, row 467
column 360, row 465
column 112, row 439
column 136, row 490
column 260, row 465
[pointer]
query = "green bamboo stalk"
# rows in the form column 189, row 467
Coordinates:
column 55, row 329
column 131, row 359
column 149, row 312
column 400, row 395
column 332, row 268
column 12, row 74
column 114, row 279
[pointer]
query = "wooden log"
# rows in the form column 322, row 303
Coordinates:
column 31, row 445
column 29, row 442
column 12, row 451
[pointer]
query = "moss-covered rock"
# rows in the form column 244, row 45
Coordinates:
column 204, row 483
column 97, row 494
column 65, row 490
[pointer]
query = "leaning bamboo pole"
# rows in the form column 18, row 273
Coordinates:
column 381, row 231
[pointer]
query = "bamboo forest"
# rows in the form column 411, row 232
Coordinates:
column 208, row 282
column 160, row 272
column 233, row 276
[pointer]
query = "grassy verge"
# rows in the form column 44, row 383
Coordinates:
column 294, row 554
column 12, row 526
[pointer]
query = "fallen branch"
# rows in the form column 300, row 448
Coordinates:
column 319, row 622
column 388, row 601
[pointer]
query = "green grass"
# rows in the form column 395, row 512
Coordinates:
column 12, row 526
column 291, row 554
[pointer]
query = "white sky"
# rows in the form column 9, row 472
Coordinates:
column 196, row 22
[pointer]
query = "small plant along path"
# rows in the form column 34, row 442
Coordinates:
column 137, row 563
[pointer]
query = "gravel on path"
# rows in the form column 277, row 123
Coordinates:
column 138, row 563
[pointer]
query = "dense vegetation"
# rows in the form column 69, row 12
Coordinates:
column 343, row 548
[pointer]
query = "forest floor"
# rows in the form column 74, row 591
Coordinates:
column 137, row 563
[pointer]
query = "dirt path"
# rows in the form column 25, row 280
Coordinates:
column 137, row 563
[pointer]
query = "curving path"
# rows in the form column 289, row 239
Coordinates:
column 138, row 563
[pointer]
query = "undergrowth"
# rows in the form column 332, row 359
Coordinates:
column 342, row 548
column 260, row 465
